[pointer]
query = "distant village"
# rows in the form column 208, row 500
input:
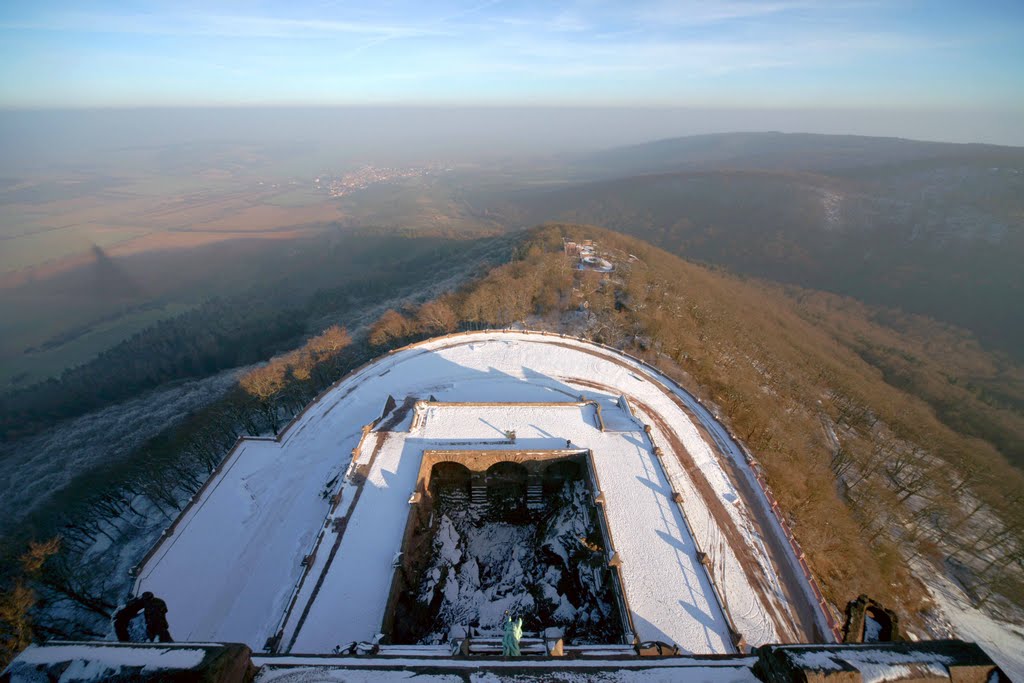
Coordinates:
column 339, row 186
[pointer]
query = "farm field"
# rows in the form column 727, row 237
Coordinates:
column 90, row 258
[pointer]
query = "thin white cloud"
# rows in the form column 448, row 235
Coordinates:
column 711, row 54
column 680, row 13
column 601, row 46
column 258, row 26
column 227, row 26
column 433, row 28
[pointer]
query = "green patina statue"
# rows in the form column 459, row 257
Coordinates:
column 513, row 632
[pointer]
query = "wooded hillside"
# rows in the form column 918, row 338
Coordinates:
column 938, row 237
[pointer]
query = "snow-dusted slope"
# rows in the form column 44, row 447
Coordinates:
column 232, row 569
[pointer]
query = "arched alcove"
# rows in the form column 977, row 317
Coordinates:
column 508, row 473
column 450, row 485
column 556, row 474
column 451, row 473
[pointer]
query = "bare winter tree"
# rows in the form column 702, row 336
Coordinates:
column 265, row 384
column 390, row 327
column 437, row 317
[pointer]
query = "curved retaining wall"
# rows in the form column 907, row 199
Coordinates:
column 825, row 615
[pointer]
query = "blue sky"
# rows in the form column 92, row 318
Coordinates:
column 729, row 53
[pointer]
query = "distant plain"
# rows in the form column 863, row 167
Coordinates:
column 90, row 258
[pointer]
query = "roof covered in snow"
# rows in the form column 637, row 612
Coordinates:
column 68, row 662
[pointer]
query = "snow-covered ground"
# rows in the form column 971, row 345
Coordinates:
column 1004, row 643
column 232, row 567
column 460, row 671
column 228, row 569
column 88, row 662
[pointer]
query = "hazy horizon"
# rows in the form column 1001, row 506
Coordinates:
column 36, row 139
column 579, row 75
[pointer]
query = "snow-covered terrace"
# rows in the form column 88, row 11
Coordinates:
column 282, row 543
column 671, row 598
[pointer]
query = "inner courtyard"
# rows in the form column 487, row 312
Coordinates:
column 524, row 538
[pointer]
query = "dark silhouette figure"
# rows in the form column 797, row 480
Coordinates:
column 124, row 616
column 154, row 611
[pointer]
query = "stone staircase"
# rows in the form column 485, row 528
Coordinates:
column 455, row 497
column 535, row 497
column 478, row 498
column 492, row 646
column 600, row 650
column 415, row 650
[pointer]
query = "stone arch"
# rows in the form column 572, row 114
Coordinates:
column 507, row 483
column 450, row 472
column 450, row 484
column 507, row 472
column 563, row 470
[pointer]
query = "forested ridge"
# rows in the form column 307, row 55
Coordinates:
column 941, row 237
